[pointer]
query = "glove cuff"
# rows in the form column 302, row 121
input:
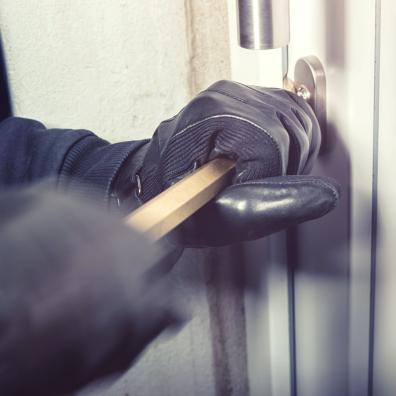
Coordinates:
column 126, row 188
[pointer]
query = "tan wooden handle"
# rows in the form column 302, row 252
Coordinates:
column 167, row 210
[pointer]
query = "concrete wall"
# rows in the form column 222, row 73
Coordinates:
column 119, row 67
column 116, row 67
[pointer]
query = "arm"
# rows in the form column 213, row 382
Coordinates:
column 272, row 135
column 81, row 294
column 30, row 152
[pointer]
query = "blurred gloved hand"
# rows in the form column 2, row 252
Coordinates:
column 270, row 133
column 81, row 295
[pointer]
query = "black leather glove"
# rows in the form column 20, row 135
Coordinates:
column 81, row 295
column 269, row 133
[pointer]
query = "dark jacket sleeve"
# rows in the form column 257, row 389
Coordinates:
column 30, row 152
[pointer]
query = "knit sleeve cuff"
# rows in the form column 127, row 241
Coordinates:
column 91, row 165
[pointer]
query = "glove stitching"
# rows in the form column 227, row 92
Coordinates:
column 267, row 134
column 295, row 143
column 263, row 94
column 254, row 107
column 228, row 94
column 291, row 95
column 281, row 117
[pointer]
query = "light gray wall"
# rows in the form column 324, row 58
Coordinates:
column 118, row 68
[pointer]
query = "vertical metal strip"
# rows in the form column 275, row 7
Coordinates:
column 292, row 254
column 224, row 274
column 292, row 259
column 374, row 208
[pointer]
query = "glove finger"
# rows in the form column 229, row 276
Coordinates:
column 258, row 208
column 301, row 124
column 316, row 134
column 299, row 145
column 260, row 150
column 279, row 100
column 260, row 129
column 301, row 112
column 274, row 104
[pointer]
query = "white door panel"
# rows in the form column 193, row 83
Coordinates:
column 332, row 275
column 384, row 340
column 328, row 273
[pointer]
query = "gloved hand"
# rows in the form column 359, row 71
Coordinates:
column 81, row 295
column 270, row 133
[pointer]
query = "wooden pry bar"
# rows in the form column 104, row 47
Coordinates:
column 167, row 210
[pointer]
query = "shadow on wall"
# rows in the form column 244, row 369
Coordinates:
column 5, row 101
